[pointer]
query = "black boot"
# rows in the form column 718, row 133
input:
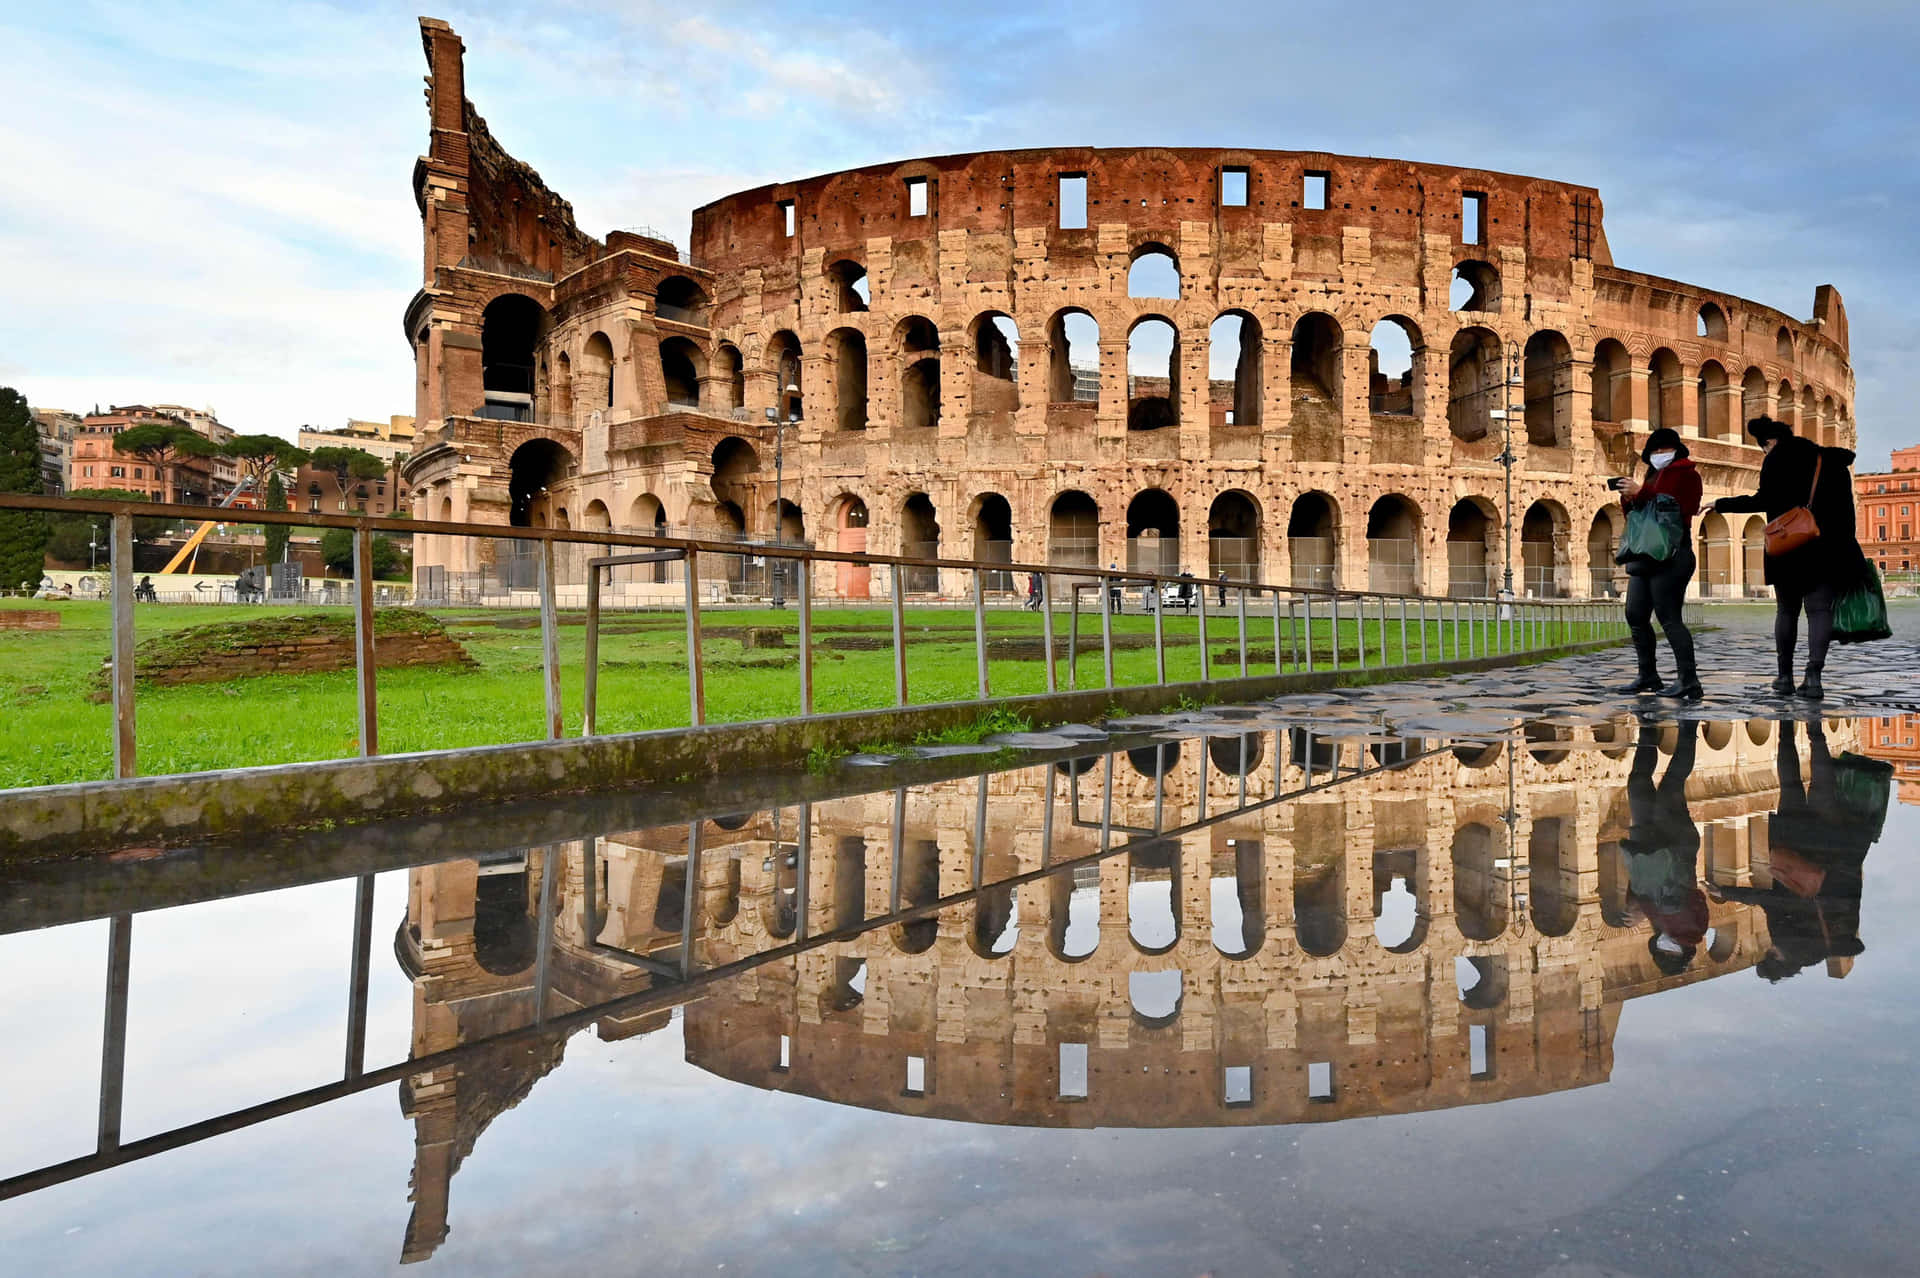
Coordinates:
column 1646, row 655
column 1810, row 689
column 1686, row 683
column 1649, row 681
column 1782, row 687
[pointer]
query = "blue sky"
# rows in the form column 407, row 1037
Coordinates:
column 209, row 203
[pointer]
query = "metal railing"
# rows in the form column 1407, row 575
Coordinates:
column 1312, row 629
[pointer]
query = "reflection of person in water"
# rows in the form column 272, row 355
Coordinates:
column 1816, row 844
column 1662, row 850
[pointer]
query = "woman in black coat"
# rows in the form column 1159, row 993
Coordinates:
column 1807, row 578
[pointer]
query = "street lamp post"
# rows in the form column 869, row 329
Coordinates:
column 779, row 420
column 1506, row 460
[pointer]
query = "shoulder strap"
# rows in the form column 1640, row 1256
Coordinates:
column 1818, row 459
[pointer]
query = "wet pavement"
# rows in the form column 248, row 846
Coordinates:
column 1501, row 974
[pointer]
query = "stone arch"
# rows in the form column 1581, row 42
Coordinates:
column 1544, row 561
column 783, row 360
column 1553, row 898
column 848, row 517
column 736, row 472
column 682, row 300
column 1829, row 422
column 1716, row 555
column 1153, row 373
column 916, row 335
column 1753, row 397
column 1475, row 385
column 1810, row 415
column 1235, row 381
column 1610, row 365
column 920, row 539
column 852, row 290
column 1394, row 379
column 562, row 387
column 848, row 349
column 1153, row 895
column 992, row 518
column 995, row 927
column 1073, row 357
column 1399, row 899
column 1237, row 756
column 1475, row 287
column 503, row 931
column 1711, row 322
column 1785, row 404
column 511, row 328
column 533, row 471
column 1473, row 548
column 1393, row 545
column 1155, row 997
column 920, row 394
column 1753, row 552
column 1603, row 540
column 1238, row 901
column 1153, row 271
column 1783, row 345
column 1073, row 913
column 996, row 363
column 1313, row 539
column 1711, row 408
column 596, row 517
column 1153, row 532
column 1320, row 879
column 1481, row 980
column 1480, row 888
column 682, row 366
column 595, row 377
column 1073, row 530
column 1315, row 386
column 1663, row 390
column 1548, row 389
column 1156, row 762
column 1233, row 536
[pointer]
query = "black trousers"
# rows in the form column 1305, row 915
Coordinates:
column 1662, row 593
column 1818, row 603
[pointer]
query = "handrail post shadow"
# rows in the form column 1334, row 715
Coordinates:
column 805, row 603
column 1107, row 594
column 980, row 629
column 1242, row 600
column 696, row 671
column 125, row 744
column 550, row 641
column 1046, row 628
column 363, row 653
column 590, row 691
column 899, row 640
column 1200, row 612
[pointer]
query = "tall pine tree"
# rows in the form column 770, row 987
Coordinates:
column 23, row 534
column 277, row 534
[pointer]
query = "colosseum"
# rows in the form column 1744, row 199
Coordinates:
column 1282, row 366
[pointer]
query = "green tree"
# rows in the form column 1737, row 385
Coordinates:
column 261, row 455
column 336, row 551
column 349, row 465
column 23, row 533
column 163, row 444
column 277, row 534
column 73, row 539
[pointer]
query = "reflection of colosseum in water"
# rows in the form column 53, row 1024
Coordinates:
column 1280, row 364
column 1382, row 946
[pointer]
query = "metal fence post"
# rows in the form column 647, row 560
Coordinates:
column 550, row 639
column 1073, row 635
column 802, row 871
column 113, row 1035
column 1159, row 635
column 1106, row 628
column 805, row 604
column 899, row 641
column 1276, row 632
column 1360, row 627
column 1046, row 628
column 363, row 655
column 1243, row 637
column 590, row 680
column 361, row 961
column 696, row 673
column 1200, row 602
column 980, row 628
column 1333, row 610
column 1306, row 607
column 126, row 761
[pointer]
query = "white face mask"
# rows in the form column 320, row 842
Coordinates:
column 1659, row 460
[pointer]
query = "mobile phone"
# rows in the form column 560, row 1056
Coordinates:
column 1616, row 483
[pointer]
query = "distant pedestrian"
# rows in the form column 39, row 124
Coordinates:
column 1223, row 589
column 1033, row 592
column 1113, row 590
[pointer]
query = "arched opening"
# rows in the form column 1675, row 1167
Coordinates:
column 920, row 539
column 1664, row 389
column 1236, row 756
column 1610, row 366
column 563, row 387
column 596, row 381
column 996, row 365
column 1233, row 537
column 1153, row 375
column 1603, row 540
column 1153, row 272
column 1153, row 896
column 1810, row 415
column 1073, row 912
column 503, row 931
column 1315, row 385
column 1475, row 287
column 1553, row 877
column 1549, row 390
column 1711, row 322
column 996, row 911
column 1155, row 996
column 1320, row 879
column 1543, row 534
column 1392, row 373
column 681, row 300
column 1784, row 405
column 993, row 538
column 535, row 468
column 1236, row 895
column 1473, row 548
column 1073, row 358
column 596, row 517
column 649, row 518
column 1312, row 533
column 1829, row 422
column 1712, row 409
column 510, row 330
column 1073, row 531
column 1715, row 555
column 1753, row 551
column 681, row 367
column 1783, row 345
column 920, row 394
column 851, row 290
column 783, row 360
column 736, row 472
column 1753, row 398
column 917, row 335
column 1234, row 381
column 1475, row 385
column 1481, row 980
column 1399, row 913
column 1393, row 546
column 1155, row 761
column 1153, row 532
column 849, row 519
column 848, row 347
column 1480, row 886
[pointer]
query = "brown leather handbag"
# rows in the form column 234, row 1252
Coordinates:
column 1796, row 527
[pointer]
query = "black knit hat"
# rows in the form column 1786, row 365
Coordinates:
column 1665, row 437
column 1765, row 428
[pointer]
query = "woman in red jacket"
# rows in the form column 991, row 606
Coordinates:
column 1660, row 589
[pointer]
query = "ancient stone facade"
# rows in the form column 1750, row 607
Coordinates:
column 1158, row 358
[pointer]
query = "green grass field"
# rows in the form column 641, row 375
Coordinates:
column 56, row 733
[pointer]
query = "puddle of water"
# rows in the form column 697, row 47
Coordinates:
column 1307, row 998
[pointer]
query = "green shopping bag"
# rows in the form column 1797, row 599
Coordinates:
column 1860, row 613
column 1654, row 532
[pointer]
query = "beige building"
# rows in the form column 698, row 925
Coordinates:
column 1295, row 366
column 390, row 440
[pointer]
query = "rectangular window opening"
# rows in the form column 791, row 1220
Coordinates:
column 916, row 1076
column 786, row 1053
column 1320, row 1081
column 1073, row 1071
column 916, row 197
column 1473, row 217
column 1073, row 201
column 1479, row 1052
column 1238, row 1083
column 786, row 217
column 1233, row 188
column 1313, row 190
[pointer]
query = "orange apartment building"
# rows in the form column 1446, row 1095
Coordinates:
column 95, row 464
column 1889, row 506
column 1892, row 738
